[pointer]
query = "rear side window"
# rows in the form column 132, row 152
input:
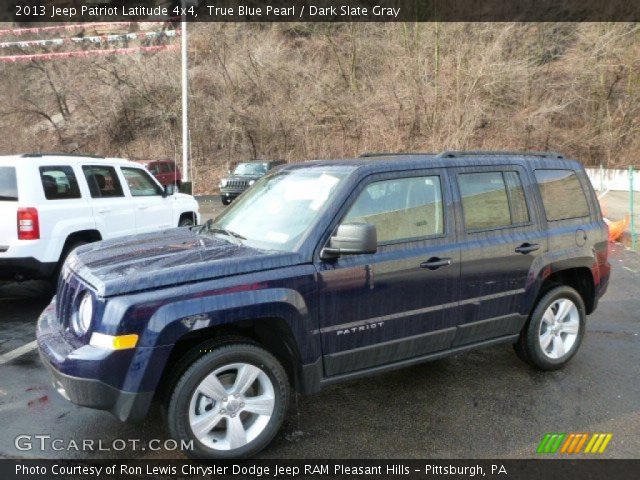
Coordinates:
column 59, row 182
column 8, row 184
column 103, row 181
column 562, row 194
column 492, row 200
column 166, row 168
column 140, row 183
column 401, row 209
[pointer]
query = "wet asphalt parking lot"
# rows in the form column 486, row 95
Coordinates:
column 482, row 404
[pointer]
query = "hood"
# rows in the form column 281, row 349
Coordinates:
column 172, row 257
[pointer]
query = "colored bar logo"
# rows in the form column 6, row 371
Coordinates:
column 571, row 443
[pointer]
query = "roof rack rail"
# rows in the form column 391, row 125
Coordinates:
column 38, row 155
column 392, row 154
column 455, row 153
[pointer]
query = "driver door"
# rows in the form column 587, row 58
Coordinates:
column 400, row 302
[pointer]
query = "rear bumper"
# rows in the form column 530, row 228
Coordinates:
column 25, row 268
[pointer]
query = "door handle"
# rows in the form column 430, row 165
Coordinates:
column 104, row 211
column 435, row 262
column 527, row 248
column 143, row 208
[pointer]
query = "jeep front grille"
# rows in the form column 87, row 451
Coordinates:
column 69, row 288
column 236, row 184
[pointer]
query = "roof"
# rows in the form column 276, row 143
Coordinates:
column 380, row 162
column 51, row 158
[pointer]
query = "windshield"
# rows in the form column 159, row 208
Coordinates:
column 279, row 209
column 251, row 169
column 8, row 184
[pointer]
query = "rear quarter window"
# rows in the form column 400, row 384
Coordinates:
column 562, row 194
column 8, row 184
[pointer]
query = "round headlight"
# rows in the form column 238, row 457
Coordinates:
column 251, row 182
column 223, row 182
column 81, row 321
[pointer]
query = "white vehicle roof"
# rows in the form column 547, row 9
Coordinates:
column 55, row 158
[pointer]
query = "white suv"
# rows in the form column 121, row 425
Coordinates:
column 52, row 203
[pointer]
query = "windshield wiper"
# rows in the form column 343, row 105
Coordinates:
column 230, row 233
column 209, row 227
column 3, row 197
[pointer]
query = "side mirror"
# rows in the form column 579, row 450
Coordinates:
column 169, row 190
column 351, row 239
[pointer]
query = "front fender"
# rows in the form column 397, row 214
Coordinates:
column 174, row 320
column 162, row 317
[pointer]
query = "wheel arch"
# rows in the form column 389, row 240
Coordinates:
column 191, row 215
column 579, row 278
column 271, row 333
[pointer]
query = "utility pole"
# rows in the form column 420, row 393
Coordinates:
column 185, row 100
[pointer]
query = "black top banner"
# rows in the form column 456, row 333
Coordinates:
column 30, row 11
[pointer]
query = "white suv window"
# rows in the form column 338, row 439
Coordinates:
column 140, row 183
column 103, row 181
column 59, row 182
column 8, row 184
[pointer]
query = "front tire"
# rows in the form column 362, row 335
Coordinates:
column 225, row 200
column 230, row 402
column 554, row 331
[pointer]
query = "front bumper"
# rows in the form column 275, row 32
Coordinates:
column 231, row 193
column 25, row 268
column 93, row 377
column 88, row 392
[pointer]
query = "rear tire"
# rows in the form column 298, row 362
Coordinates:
column 554, row 331
column 230, row 402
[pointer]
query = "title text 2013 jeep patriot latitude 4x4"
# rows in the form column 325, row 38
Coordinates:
column 326, row 271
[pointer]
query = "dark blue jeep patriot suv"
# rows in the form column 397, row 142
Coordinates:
column 323, row 272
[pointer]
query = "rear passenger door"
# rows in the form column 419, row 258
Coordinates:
column 114, row 213
column 502, row 238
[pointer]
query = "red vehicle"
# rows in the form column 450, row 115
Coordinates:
column 166, row 171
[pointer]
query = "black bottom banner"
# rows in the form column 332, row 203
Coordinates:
column 321, row 469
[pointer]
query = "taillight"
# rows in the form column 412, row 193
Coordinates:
column 28, row 224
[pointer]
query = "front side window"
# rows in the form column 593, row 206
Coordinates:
column 401, row 208
column 140, row 183
column 166, row 167
column 103, row 181
column 562, row 194
column 59, row 183
column 280, row 208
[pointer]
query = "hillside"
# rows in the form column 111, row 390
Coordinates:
column 304, row 91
